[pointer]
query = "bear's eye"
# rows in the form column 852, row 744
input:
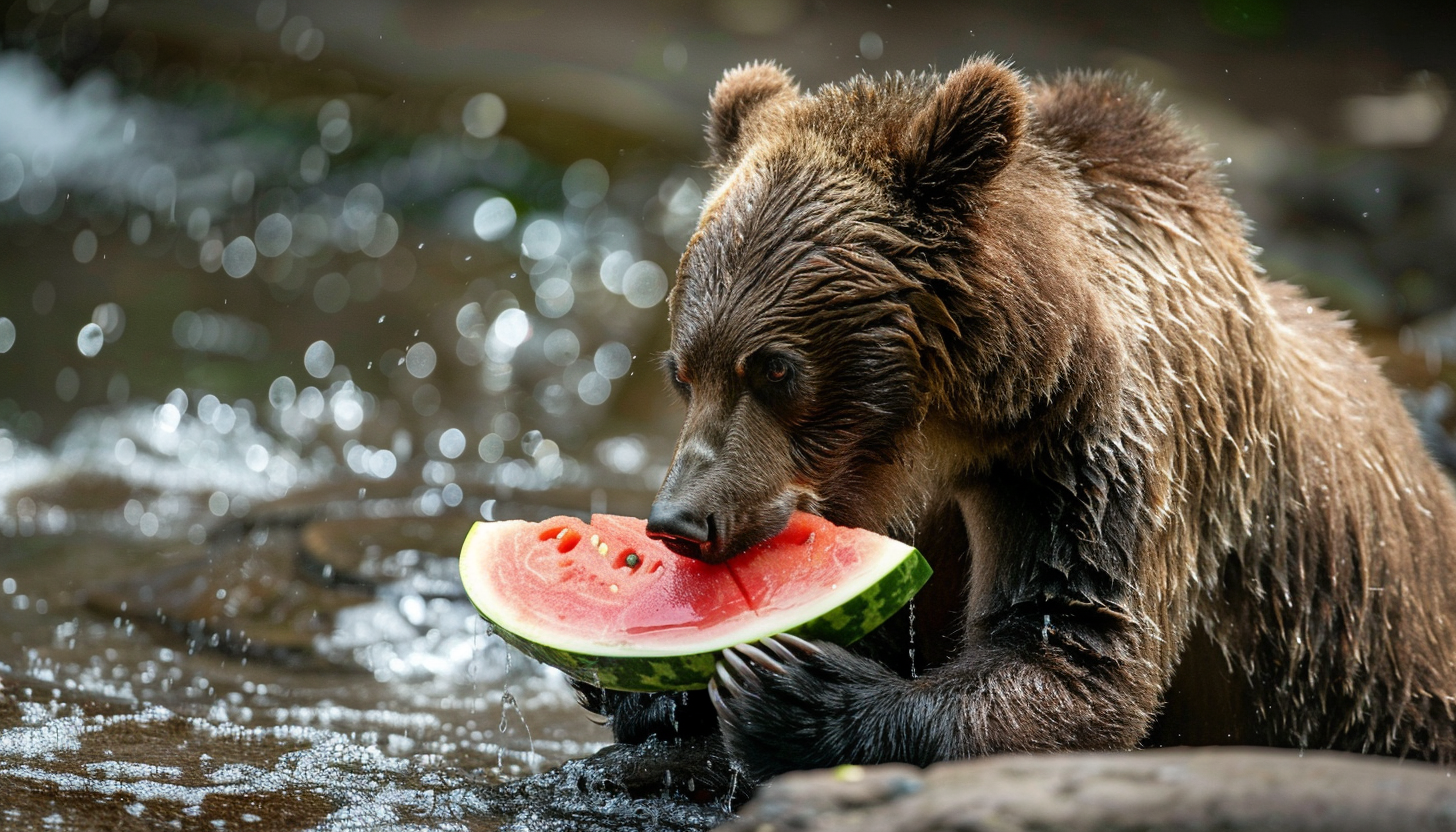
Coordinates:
column 677, row 375
column 777, row 370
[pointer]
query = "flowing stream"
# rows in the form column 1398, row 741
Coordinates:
column 262, row 368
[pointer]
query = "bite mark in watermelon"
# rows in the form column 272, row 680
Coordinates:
column 611, row 606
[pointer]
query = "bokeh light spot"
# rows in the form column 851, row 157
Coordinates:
column 644, row 284
column 318, row 359
column 484, row 115
column 585, row 183
column 419, row 360
column 331, row 293
column 612, row 359
column 84, row 247
column 239, row 257
column 90, row 339
column 494, row 218
column 452, row 443
column 274, row 235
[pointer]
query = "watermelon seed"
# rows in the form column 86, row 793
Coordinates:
column 561, row 534
column 613, row 587
column 596, row 540
column 633, row 560
column 602, row 547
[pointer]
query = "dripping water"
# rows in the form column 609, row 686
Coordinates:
column 508, row 702
column 732, row 788
column 913, row 674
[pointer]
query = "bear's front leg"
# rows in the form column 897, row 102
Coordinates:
column 1070, row 679
column 787, row 704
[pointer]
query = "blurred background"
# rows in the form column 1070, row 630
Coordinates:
column 292, row 291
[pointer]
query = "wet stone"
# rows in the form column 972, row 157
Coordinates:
column 365, row 551
column 248, row 596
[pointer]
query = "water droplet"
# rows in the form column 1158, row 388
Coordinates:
column 614, row 267
column 594, row 388
column 84, row 248
column 561, row 347
column 313, row 165
column 318, row 360
column 274, row 235
column 256, row 458
column 242, row 186
column 420, row 360
column 239, row 256
column 282, row 392
column 68, row 384
column 363, row 206
column 336, row 135
column 125, row 451
column 112, row 320
column 871, row 46
column 644, row 284
column 491, row 448
column 585, row 183
column 541, row 239
column 613, row 359
column 7, row 335
column 331, row 293
column 512, row 327
column 90, row 339
column 386, row 234
column 12, row 176
column 555, row 297
column 452, row 443
column 494, row 218
column 484, row 115
column 382, row 464
column 348, row 414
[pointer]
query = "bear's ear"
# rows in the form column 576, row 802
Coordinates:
column 963, row 137
column 742, row 91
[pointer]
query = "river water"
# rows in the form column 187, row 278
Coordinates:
column 264, row 361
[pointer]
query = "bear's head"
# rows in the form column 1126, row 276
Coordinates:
column 810, row 332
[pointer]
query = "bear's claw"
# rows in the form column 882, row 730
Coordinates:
column 761, row 658
column 729, row 682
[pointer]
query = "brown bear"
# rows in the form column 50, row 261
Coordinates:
column 1167, row 500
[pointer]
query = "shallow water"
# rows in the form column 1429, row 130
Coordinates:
column 263, row 364
column 311, row 665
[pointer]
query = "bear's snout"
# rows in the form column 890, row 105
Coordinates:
column 681, row 528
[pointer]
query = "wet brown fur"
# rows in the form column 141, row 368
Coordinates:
column 1025, row 329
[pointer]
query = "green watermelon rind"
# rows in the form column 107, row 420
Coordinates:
column 842, row 625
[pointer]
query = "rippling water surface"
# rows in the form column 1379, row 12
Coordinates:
column 266, row 355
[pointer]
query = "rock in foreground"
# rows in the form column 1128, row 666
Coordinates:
column 1183, row 789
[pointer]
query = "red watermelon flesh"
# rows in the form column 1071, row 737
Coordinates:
column 603, row 601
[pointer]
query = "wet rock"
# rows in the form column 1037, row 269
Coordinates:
column 248, row 596
column 1185, row 789
column 363, row 551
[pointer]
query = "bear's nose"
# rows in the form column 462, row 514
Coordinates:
column 680, row 528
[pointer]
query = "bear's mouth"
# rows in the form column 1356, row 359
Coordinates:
column 690, row 547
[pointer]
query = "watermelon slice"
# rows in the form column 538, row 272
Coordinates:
column 610, row 606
